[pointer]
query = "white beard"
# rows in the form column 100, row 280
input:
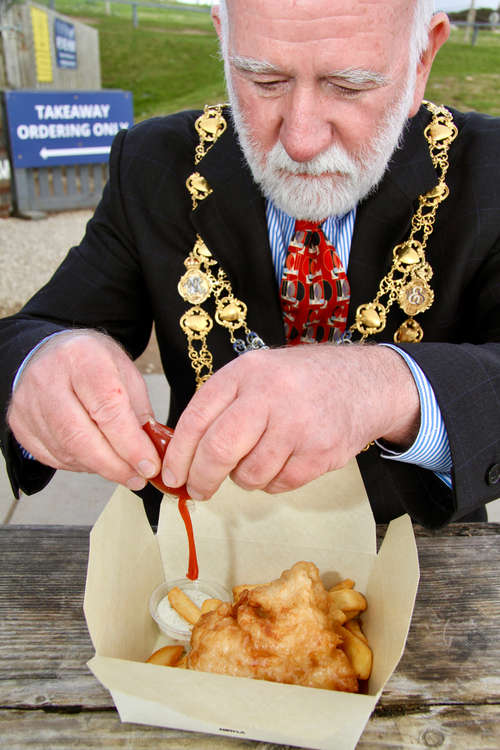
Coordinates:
column 336, row 180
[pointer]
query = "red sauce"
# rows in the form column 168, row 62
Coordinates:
column 192, row 571
column 160, row 436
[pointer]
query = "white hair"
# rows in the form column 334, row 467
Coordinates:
column 424, row 10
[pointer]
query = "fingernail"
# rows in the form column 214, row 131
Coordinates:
column 146, row 468
column 136, row 483
column 168, row 478
column 193, row 494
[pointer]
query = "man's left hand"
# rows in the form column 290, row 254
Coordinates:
column 276, row 419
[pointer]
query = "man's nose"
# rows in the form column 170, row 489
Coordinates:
column 305, row 131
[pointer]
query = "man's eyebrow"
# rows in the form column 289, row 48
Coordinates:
column 251, row 65
column 359, row 76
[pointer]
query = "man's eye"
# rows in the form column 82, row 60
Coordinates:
column 347, row 92
column 270, row 85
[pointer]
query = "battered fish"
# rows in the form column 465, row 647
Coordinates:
column 281, row 631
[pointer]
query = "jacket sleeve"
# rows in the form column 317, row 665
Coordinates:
column 466, row 381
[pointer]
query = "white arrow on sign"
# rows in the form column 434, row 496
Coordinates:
column 47, row 153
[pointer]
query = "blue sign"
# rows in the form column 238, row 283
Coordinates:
column 65, row 42
column 65, row 127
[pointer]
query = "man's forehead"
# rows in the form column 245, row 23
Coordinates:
column 312, row 10
column 372, row 23
column 332, row 35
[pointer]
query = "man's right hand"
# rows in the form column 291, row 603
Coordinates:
column 79, row 405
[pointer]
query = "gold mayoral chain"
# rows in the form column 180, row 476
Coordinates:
column 407, row 282
column 200, row 282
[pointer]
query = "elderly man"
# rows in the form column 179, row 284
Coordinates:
column 330, row 227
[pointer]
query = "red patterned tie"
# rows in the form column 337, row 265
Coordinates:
column 314, row 288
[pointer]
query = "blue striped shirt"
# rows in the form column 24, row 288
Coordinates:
column 431, row 449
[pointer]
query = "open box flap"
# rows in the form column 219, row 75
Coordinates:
column 330, row 512
column 240, row 707
column 391, row 593
column 124, row 562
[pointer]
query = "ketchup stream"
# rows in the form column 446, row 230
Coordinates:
column 160, row 436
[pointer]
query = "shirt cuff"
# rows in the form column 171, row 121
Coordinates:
column 431, row 448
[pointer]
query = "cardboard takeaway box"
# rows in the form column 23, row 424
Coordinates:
column 245, row 537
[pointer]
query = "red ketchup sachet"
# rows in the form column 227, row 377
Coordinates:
column 160, row 437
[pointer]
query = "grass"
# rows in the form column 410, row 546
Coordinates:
column 467, row 77
column 170, row 62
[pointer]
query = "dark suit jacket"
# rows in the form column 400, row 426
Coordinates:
column 124, row 275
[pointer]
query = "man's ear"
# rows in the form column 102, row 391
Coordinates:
column 439, row 31
column 216, row 21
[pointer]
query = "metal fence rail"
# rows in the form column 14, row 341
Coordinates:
column 136, row 4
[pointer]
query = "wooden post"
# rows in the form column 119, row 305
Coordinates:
column 471, row 18
column 135, row 17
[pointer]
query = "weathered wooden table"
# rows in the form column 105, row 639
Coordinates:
column 445, row 692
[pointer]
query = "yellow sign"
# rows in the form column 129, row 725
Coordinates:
column 41, row 38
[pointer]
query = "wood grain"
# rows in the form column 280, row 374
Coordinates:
column 444, row 693
column 450, row 727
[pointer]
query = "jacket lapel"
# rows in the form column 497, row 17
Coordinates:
column 383, row 219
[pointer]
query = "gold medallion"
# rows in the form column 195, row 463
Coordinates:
column 409, row 332
column 231, row 312
column 194, row 287
column 196, row 323
column 408, row 253
column 438, row 193
column 370, row 318
column 416, row 296
column 198, row 188
column 209, row 126
column 439, row 132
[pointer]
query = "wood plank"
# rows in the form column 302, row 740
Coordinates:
column 71, row 182
column 57, row 183
column 45, row 185
column 469, row 727
column 56, row 731
column 465, row 727
column 84, row 170
column 453, row 648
